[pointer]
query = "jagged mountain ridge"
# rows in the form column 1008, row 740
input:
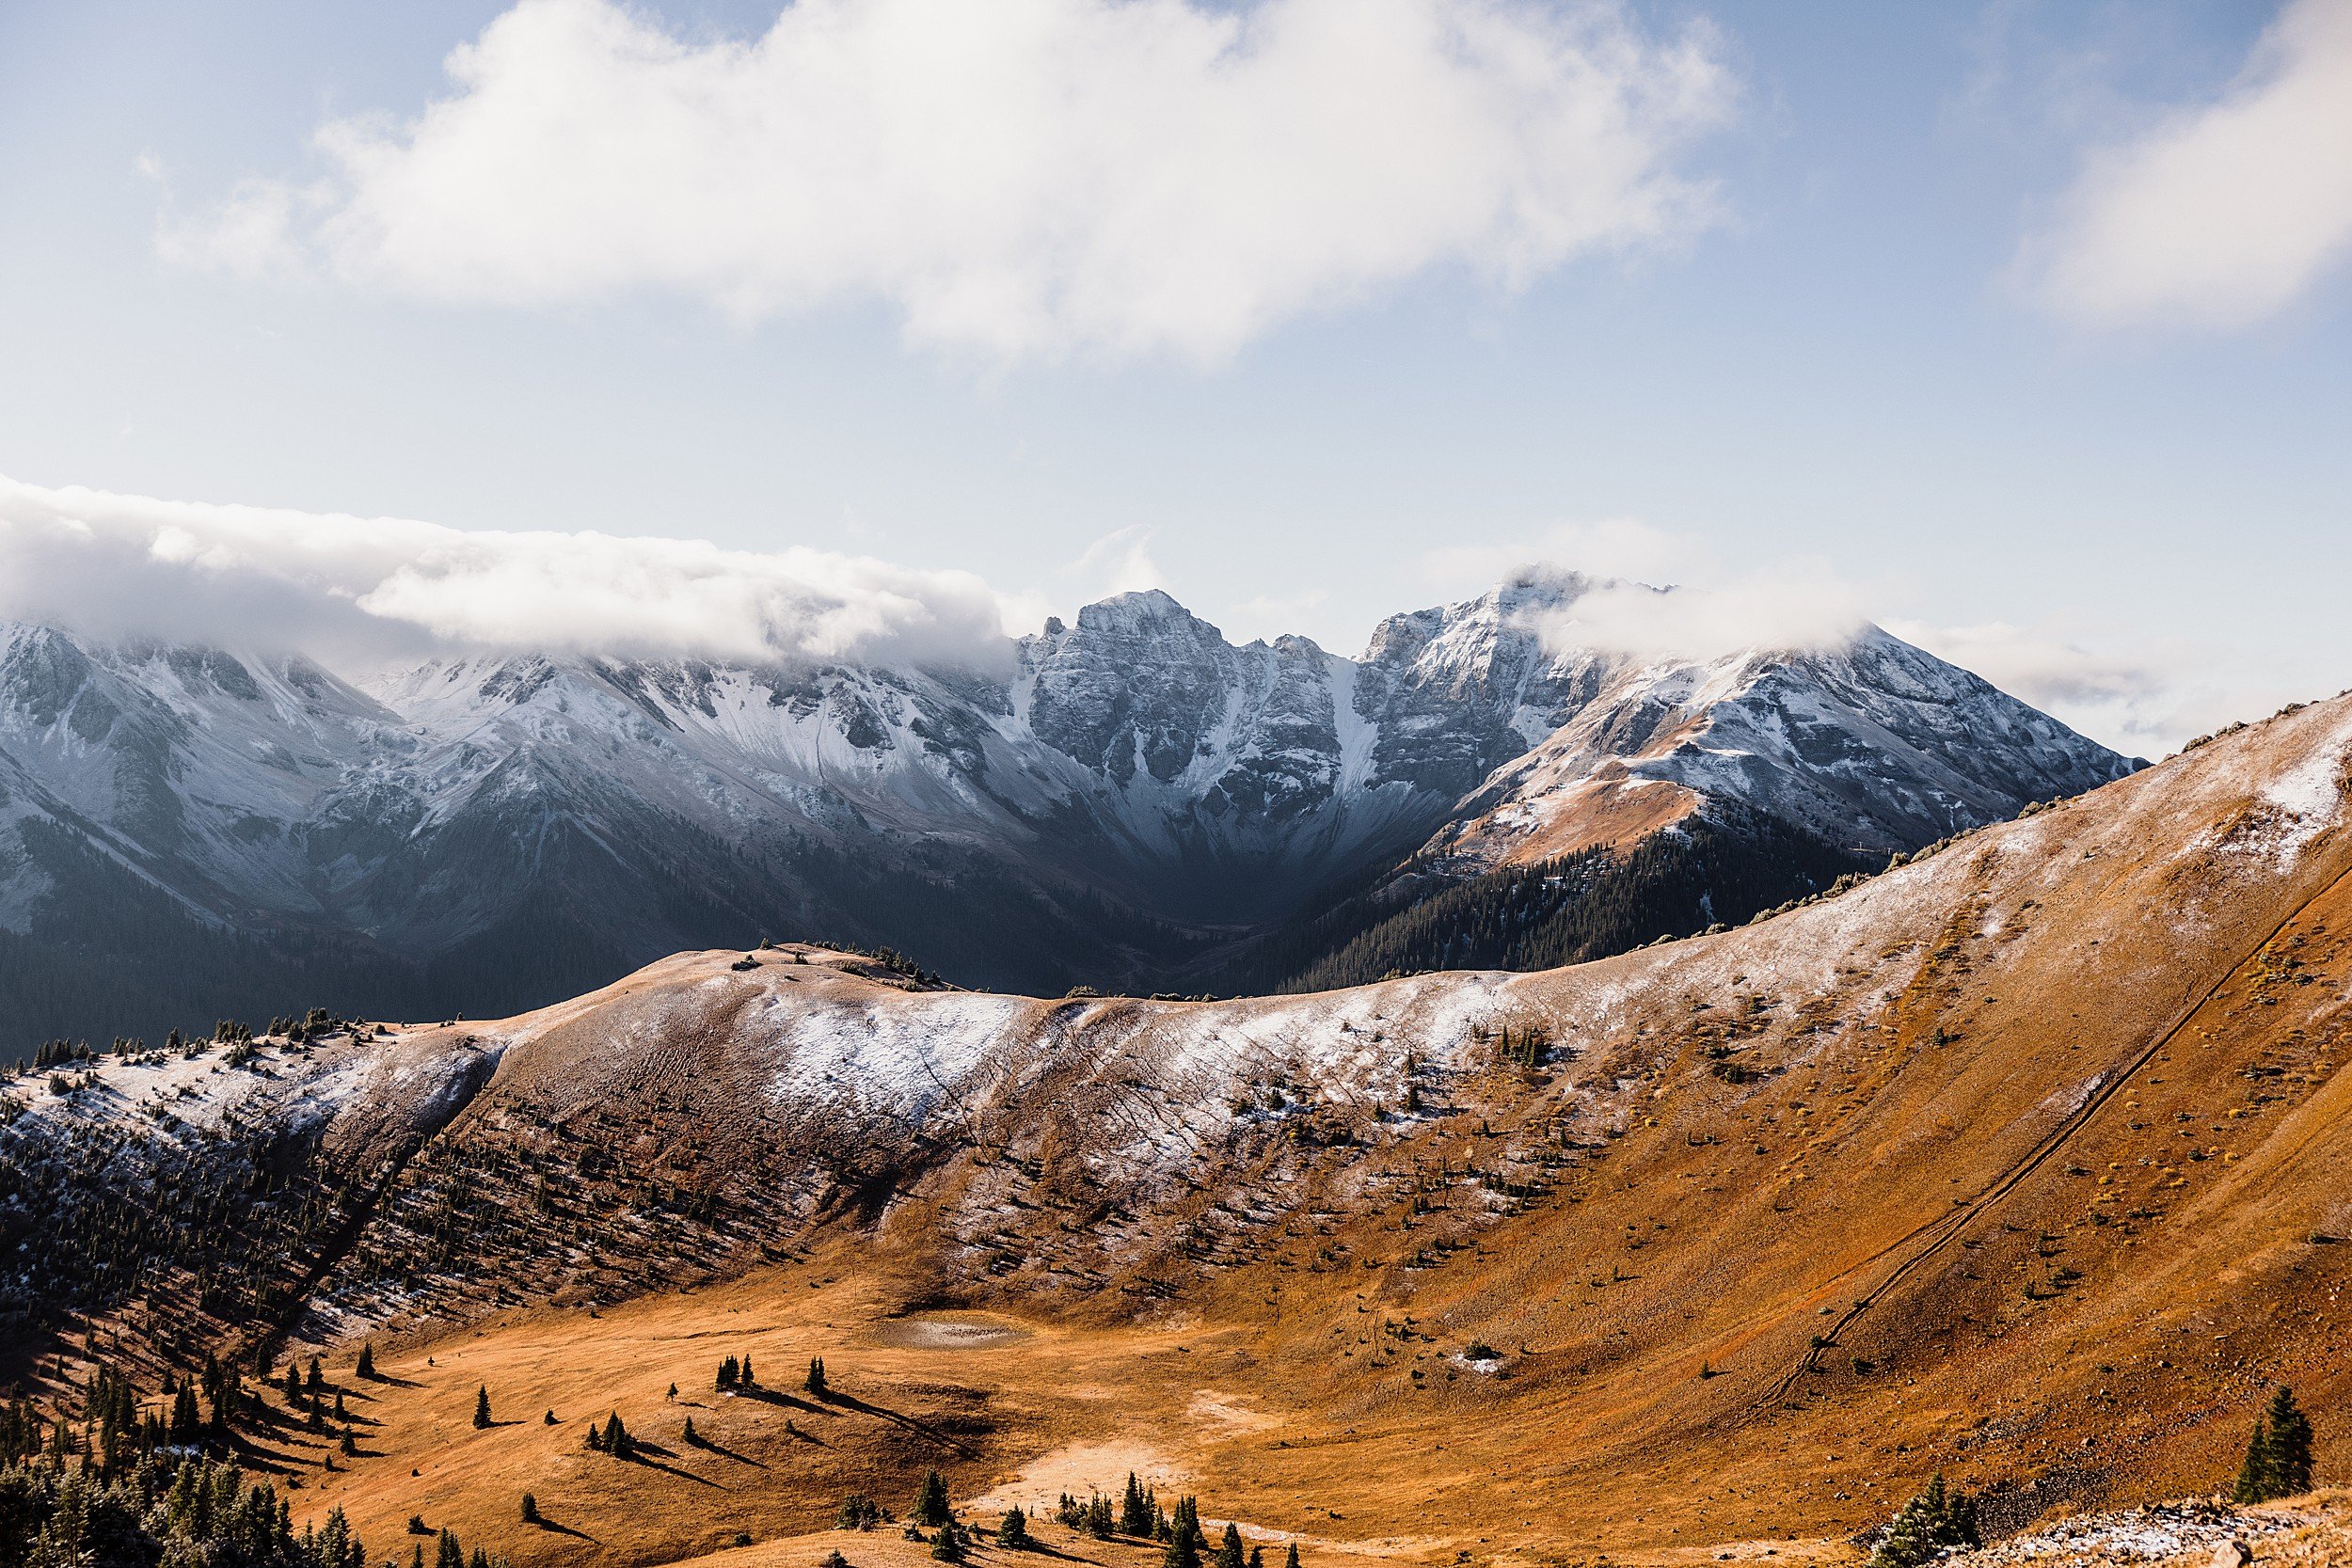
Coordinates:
column 1117, row 796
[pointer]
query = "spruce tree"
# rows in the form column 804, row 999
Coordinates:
column 944, row 1546
column 482, row 1408
column 749, row 1381
column 1135, row 1513
column 530, row 1509
column 1290, row 1556
column 2279, row 1455
column 2290, row 1444
column 450, row 1555
column 317, row 1380
column 1182, row 1551
column 2257, row 1477
column 1931, row 1523
column 616, row 1441
column 366, row 1362
column 1013, row 1534
column 930, row 1503
column 815, row 1382
column 1228, row 1550
column 727, row 1373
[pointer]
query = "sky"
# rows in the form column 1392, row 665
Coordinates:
column 874, row 326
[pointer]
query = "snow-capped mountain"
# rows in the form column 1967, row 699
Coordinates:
column 1115, row 797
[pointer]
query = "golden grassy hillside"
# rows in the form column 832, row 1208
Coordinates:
column 2024, row 1161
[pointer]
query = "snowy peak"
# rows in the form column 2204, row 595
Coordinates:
column 1134, row 760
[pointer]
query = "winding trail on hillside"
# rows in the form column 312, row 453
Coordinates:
column 1937, row 1234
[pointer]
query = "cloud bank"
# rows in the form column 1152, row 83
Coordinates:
column 2141, row 696
column 2223, row 214
column 1022, row 178
column 120, row 566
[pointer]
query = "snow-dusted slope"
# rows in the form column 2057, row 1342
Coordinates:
column 568, row 814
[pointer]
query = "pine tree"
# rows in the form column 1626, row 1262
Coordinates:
column 2290, row 1444
column 858, row 1512
column 749, row 1381
column 1228, row 1550
column 728, row 1373
column 930, row 1503
column 1182, row 1551
column 293, row 1386
column 530, row 1509
column 944, row 1546
column 1257, row 1556
column 2257, row 1478
column 482, row 1407
column 1927, row 1525
column 2279, row 1455
column 1013, row 1534
column 692, row 1438
column 1098, row 1517
column 616, row 1441
column 1134, row 1513
column 1290, row 1556
column 1187, row 1522
column 816, row 1384
column 450, row 1555
column 366, row 1362
column 317, row 1380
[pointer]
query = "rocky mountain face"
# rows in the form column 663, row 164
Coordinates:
column 1113, row 801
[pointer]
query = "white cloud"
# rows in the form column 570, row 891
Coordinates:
column 2222, row 215
column 1784, row 609
column 2144, row 701
column 357, row 587
column 1026, row 178
column 1608, row 547
column 2138, row 694
column 1119, row 563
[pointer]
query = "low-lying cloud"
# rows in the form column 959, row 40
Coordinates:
column 2142, row 696
column 357, row 588
column 1774, row 612
column 1022, row 178
column 2220, row 214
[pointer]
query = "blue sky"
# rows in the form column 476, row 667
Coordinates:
column 1905, row 339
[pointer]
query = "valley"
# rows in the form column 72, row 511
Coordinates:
column 2020, row 1162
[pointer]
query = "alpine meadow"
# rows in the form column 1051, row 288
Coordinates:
column 1175, row 784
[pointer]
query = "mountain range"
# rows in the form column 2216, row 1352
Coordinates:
column 1127, row 802
column 2023, row 1162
